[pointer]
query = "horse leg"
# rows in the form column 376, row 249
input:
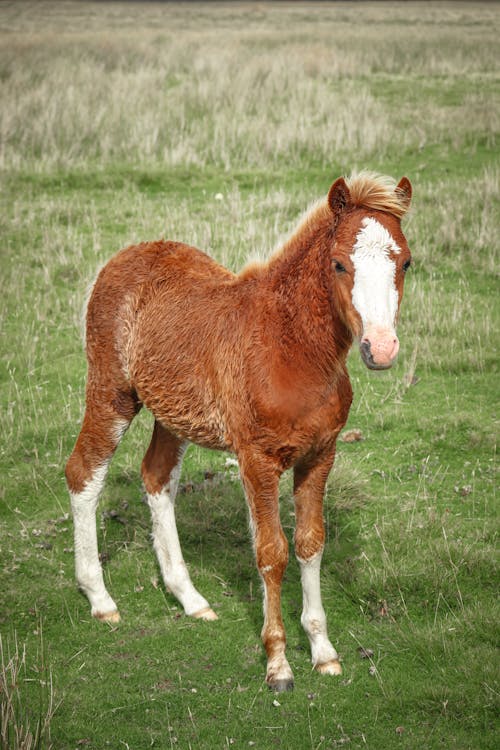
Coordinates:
column 309, row 487
column 102, row 429
column 161, row 469
column 260, row 480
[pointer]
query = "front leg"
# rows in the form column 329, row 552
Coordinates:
column 260, row 479
column 309, row 487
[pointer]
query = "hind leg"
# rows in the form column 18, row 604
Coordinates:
column 102, row 429
column 161, row 470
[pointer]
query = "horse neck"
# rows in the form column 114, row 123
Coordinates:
column 300, row 280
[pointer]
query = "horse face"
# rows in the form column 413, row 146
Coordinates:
column 370, row 259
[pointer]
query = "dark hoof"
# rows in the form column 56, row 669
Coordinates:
column 281, row 686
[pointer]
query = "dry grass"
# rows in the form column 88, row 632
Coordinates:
column 181, row 98
column 21, row 728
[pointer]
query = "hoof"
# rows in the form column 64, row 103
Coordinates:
column 330, row 667
column 205, row 614
column 280, row 686
column 279, row 676
column 111, row 617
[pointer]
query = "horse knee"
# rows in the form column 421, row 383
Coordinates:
column 309, row 542
column 272, row 557
column 77, row 475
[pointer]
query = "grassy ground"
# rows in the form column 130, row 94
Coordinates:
column 217, row 125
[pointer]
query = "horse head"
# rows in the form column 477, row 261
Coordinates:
column 369, row 260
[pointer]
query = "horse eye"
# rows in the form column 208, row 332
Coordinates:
column 339, row 267
column 406, row 265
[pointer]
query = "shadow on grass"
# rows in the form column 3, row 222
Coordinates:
column 213, row 527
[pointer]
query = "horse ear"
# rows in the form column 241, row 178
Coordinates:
column 338, row 196
column 404, row 191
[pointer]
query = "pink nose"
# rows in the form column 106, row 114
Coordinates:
column 379, row 348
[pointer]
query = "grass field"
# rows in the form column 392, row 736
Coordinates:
column 217, row 124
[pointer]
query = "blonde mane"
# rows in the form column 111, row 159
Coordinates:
column 377, row 192
column 368, row 190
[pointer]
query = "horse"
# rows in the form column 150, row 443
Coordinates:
column 253, row 363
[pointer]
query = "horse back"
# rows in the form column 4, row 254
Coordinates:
column 135, row 276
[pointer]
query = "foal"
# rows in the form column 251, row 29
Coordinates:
column 252, row 363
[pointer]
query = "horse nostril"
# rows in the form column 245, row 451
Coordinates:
column 395, row 347
column 365, row 348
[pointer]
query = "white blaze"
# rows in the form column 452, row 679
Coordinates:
column 374, row 294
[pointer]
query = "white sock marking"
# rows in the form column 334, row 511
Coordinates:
column 87, row 564
column 313, row 617
column 168, row 548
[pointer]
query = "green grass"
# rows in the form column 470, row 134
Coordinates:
column 122, row 123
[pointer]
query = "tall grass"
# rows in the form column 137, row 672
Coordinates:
column 260, row 98
column 23, row 728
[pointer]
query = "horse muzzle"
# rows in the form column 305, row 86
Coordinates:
column 379, row 348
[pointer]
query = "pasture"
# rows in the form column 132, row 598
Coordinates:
column 217, row 124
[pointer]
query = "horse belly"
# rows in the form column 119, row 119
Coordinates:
column 209, row 431
column 189, row 413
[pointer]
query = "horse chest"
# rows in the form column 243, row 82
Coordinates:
column 291, row 428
